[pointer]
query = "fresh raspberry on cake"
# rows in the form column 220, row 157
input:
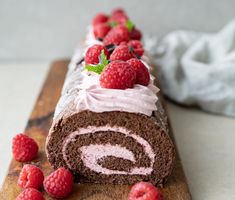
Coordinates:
column 118, row 75
column 59, row 184
column 119, row 17
column 30, row 177
column 144, row 191
column 100, row 18
column 117, row 35
column 101, row 30
column 137, row 47
column 93, row 54
column 24, row 148
column 121, row 52
column 135, row 34
column 30, row 194
column 117, row 11
column 142, row 73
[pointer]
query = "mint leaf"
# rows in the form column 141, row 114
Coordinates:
column 103, row 61
column 130, row 25
column 103, row 58
column 95, row 68
column 113, row 24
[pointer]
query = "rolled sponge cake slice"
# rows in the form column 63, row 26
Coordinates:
column 118, row 147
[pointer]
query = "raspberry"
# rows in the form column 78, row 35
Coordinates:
column 93, row 53
column 99, row 18
column 117, row 35
column 30, row 194
column 121, row 52
column 101, row 30
column 135, row 34
column 118, row 75
column 24, row 148
column 144, row 191
column 119, row 17
column 142, row 73
column 30, row 177
column 59, row 184
column 126, row 51
column 117, row 11
column 137, row 47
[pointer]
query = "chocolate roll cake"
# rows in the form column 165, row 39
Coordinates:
column 109, row 125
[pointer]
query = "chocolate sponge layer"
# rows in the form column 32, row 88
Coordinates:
column 152, row 129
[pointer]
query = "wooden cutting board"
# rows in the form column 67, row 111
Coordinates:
column 37, row 128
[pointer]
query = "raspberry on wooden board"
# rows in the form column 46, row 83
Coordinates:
column 30, row 177
column 144, row 191
column 59, row 184
column 30, row 194
column 24, row 148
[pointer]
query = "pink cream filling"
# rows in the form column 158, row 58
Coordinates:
column 92, row 153
column 139, row 99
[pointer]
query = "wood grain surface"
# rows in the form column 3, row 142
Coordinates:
column 37, row 128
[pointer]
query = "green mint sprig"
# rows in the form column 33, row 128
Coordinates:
column 103, row 61
column 130, row 25
column 113, row 23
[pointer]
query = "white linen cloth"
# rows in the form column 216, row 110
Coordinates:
column 198, row 68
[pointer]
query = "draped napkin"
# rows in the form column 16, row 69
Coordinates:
column 197, row 68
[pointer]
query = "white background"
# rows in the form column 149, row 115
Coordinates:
column 46, row 29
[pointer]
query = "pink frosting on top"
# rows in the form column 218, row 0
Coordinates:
column 92, row 153
column 91, row 96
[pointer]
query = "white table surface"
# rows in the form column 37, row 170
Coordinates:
column 206, row 142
